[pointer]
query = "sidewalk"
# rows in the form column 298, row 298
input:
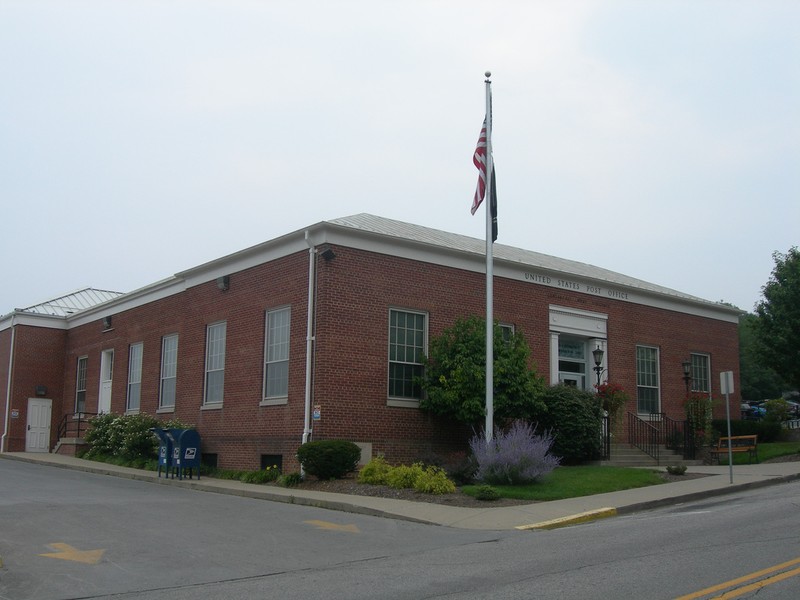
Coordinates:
column 541, row 515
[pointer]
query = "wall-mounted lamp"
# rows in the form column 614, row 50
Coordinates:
column 41, row 390
column 224, row 282
column 598, row 353
column 687, row 374
column 327, row 253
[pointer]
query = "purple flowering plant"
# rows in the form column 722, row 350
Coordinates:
column 515, row 456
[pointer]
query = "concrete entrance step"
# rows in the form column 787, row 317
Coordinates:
column 627, row 456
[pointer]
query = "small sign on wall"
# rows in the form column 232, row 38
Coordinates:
column 317, row 414
column 15, row 413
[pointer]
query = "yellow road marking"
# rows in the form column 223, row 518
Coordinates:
column 600, row 513
column 67, row 552
column 333, row 526
column 744, row 579
column 760, row 584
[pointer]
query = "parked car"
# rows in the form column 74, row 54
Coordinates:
column 794, row 409
column 754, row 411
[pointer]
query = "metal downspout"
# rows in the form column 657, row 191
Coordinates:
column 312, row 252
column 3, row 440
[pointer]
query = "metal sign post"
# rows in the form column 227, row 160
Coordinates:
column 726, row 384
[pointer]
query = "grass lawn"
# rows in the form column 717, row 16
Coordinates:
column 572, row 482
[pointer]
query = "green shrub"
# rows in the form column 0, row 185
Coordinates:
column 777, row 410
column 767, row 431
column 375, row 471
column 574, row 417
column 434, row 480
column 486, row 493
column 404, row 476
column 459, row 466
column 289, row 479
column 263, row 476
column 329, row 459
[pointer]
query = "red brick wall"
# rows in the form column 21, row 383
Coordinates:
column 38, row 356
column 241, row 430
column 355, row 291
column 5, row 351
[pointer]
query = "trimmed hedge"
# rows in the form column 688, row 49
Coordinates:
column 767, row 431
column 329, row 459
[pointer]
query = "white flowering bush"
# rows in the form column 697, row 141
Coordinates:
column 126, row 436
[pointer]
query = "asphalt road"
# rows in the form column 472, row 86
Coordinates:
column 68, row 534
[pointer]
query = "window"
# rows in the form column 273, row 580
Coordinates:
column 80, row 386
column 169, row 371
column 215, row 363
column 507, row 331
column 700, row 373
column 276, row 354
column 572, row 361
column 406, row 347
column 647, row 379
column 134, row 377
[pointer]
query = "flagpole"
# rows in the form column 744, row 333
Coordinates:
column 489, row 268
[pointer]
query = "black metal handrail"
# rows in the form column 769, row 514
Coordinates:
column 606, row 436
column 644, row 435
column 678, row 437
column 72, row 426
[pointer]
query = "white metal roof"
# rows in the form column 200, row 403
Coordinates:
column 71, row 303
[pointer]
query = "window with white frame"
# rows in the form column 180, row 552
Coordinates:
column 276, row 354
column 647, row 380
column 134, row 377
column 407, row 339
column 215, row 363
column 506, row 331
column 701, row 381
column 80, row 385
column 169, row 371
column 572, row 357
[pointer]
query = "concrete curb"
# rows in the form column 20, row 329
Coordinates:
column 591, row 515
column 691, row 497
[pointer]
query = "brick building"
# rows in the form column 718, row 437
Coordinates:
column 318, row 333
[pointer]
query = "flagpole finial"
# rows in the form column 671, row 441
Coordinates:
column 488, row 74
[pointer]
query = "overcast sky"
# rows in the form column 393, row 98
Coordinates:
column 659, row 139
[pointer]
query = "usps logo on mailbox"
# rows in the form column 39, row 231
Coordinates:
column 162, row 452
column 190, row 453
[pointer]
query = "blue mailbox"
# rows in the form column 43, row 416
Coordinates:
column 187, row 452
column 166, row 450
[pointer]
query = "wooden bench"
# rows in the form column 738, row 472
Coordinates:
column 739, row 443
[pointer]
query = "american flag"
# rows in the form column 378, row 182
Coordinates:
column 479, row 158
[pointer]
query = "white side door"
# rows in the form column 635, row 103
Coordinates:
column 106, row 377
column 37, row 438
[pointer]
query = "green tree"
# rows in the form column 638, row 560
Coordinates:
column 777, row 328
column 758, row 382
column 455, row 375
